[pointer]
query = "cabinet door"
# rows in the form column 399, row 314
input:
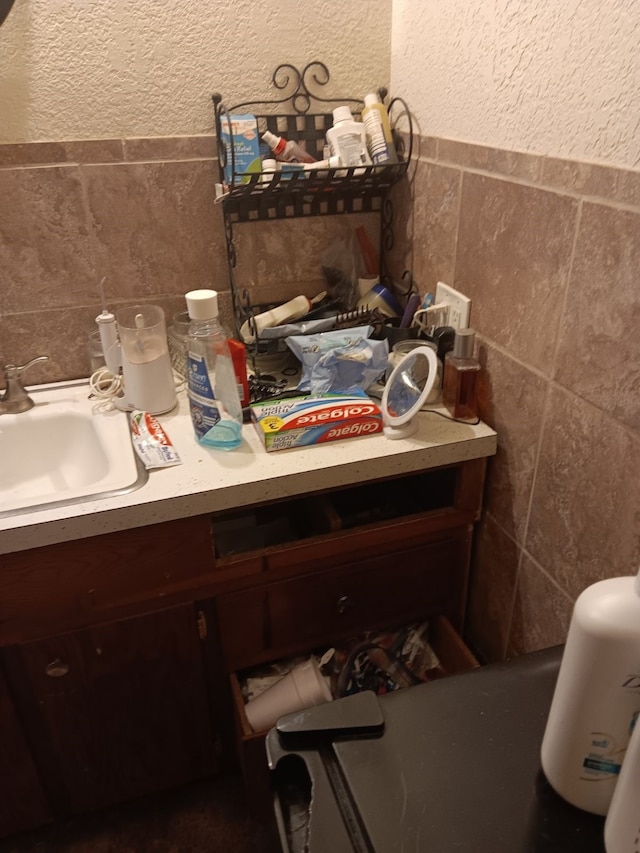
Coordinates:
column 22, row 799
column 117, row 710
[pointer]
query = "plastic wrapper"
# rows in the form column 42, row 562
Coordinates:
column 151, row 442
column 339, row 362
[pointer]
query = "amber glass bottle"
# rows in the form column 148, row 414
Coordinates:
column 460, row 383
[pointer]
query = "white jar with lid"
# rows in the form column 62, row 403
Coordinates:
column 347, row 139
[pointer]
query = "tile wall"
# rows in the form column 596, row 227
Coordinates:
column 140, row 214
column 549, row 252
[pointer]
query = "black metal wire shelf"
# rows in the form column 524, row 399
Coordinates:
column 314, row 192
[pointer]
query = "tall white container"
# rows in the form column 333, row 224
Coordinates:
column 622, row 826
column 597, row 695
column 347, row 139
column 378, row 131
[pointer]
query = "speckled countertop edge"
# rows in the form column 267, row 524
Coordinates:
column 209, row 481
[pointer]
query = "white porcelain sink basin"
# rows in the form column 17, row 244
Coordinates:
column 64, row 450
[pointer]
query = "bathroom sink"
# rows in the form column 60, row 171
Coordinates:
column 65, row 450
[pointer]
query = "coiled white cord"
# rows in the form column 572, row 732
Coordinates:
column 105, row 386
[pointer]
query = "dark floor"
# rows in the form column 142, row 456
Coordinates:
column 205, row 817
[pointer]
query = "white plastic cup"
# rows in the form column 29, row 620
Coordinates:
column 300, row 688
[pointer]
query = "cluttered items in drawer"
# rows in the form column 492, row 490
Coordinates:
column 381, row 661
column 447, row 655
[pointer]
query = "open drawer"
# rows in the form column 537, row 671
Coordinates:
column 454, row 657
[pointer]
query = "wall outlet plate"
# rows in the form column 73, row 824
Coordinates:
column 459, row 305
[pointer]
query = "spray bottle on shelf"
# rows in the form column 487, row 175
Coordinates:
column 378, row 131
column 214, row 401
column 286, row 149
column 597, row 695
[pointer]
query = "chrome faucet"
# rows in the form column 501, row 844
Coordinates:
column 15, row 398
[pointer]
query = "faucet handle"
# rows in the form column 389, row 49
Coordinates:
column 13, row 371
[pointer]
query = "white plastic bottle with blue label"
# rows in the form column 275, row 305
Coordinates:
column 622, row 826
column 597, row 695
column 214, row 401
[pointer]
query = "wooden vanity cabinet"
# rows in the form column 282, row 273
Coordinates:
column 23, row 802
column 116, row 710
column 103, row 694
column 118, row 653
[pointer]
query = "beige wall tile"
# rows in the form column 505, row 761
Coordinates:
column 291, row 253
column 511, row 400
column 599, row 351
column 75, row 151
column 491, row 590
column 158, row 229
column 541, row 612
column 171, row 148
column 588, row 179
column 46, row 251
column 59, row 333
column 463, row 153
column 398, row 240
column 585, row 524
column 513, row 257
column 436, row 202
column 628, row 187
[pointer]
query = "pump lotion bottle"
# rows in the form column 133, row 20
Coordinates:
column 597, row 695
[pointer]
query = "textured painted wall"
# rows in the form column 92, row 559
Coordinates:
column 559, row 78
column 89, row 69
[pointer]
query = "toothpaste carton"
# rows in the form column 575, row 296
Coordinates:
column 241, row 132
column 302, row 421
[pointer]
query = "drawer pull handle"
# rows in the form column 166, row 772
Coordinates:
column 57, row 668
column 344, row 603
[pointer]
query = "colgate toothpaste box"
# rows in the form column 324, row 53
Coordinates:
column 302, row 421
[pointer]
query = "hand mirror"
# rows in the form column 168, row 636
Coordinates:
column 406, row 391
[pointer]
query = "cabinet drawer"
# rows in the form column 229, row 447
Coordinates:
column 454, row 657
column 242, row 623
column 378, row 592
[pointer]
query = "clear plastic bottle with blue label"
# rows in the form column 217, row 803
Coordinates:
column 214, row 401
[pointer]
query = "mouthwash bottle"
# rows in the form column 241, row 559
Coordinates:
column 214, row 401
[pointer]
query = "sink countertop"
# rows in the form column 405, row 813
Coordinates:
column 211, row 480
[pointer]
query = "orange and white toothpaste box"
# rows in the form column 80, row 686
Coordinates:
column 303, row 421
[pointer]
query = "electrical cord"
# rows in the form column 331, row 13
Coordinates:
column 105, row 386
column 474, row 422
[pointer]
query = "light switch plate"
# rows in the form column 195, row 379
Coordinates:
column 459, row 305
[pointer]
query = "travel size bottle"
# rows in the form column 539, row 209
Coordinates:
column 214, row 401
column 596, row 700
column 459, row 385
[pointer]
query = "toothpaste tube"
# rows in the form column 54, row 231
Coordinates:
column 151, row 442
column 303, row 421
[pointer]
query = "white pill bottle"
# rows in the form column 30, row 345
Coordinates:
column 597, row 695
